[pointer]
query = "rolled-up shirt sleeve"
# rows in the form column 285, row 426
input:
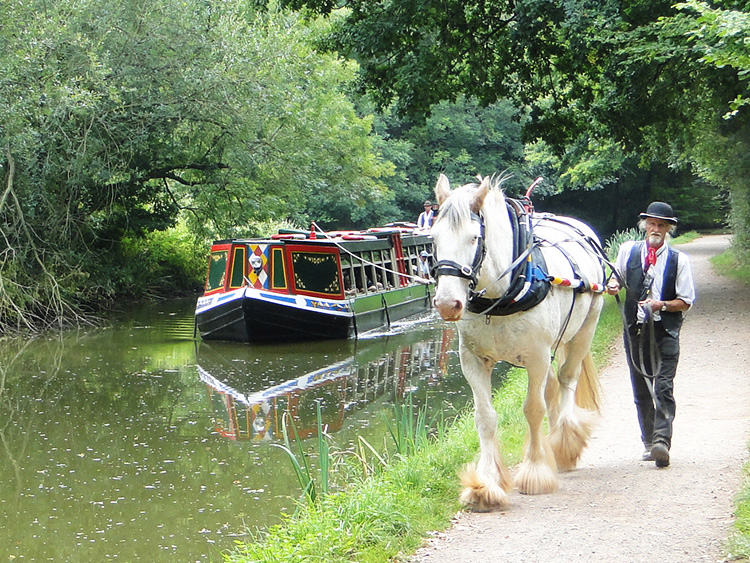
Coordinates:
column 684, row 285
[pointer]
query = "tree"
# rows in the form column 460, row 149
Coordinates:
column 461, row 139
column 118, row 117
column 603, row 82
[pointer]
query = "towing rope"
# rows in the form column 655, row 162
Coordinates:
column 418, row 279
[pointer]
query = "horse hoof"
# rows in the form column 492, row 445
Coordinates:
column 484, row 499
column 479, row 495
column 569, row 439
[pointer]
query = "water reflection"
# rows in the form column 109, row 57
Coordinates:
column 243, row 411
column 134, row 443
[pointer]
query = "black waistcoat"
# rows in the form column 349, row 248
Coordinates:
column 634, row 278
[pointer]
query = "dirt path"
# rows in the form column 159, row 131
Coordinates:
column 615, row 508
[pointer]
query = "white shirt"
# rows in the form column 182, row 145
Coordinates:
column 684, row 286
column 424, row 219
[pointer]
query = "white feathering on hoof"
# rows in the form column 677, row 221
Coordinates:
column 480, row 496
column 569, row 439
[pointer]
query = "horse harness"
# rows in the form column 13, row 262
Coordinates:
column 529, row 280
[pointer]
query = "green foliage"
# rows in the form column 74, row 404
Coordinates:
column 386, row 515
column 120, row 117
column 611, row 91
column 728, row 265
column 722, row 37
column 125, row 118
column 738, row 543
column 409, row 429
column 159, row 263
column 299, row 460
column 460, row 139
column 613, row 243
column 608, row 330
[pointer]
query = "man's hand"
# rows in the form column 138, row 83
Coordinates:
column 653, row 304
column 613, row 287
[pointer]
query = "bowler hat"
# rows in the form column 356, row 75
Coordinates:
column 660, row 210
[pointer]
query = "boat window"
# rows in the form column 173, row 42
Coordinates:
column 237, row 278
column 390, row 269
column 217, row 267
column 278, row 278
column 347, row 271
column 360, row 277
column 316, row 272
column 372, row 274
column 414, row 260
column 381, row 272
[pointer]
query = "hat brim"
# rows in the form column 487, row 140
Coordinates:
column 672, row 220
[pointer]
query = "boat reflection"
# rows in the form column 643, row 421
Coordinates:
column 244, row 409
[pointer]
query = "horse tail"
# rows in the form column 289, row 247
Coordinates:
column 588, row 390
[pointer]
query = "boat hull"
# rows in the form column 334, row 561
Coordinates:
column 249, row 315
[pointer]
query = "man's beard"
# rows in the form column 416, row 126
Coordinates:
column 655, row 240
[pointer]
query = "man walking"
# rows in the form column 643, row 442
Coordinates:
column 659, row 288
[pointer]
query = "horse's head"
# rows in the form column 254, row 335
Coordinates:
column 458, row 244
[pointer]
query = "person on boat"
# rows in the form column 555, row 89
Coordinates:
column 424, row 264
column 659, row 289
column 425, row 218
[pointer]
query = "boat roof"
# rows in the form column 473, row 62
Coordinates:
column 346, row 238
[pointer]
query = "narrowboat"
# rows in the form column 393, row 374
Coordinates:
column 299, row 285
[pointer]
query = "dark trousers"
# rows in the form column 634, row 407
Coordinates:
column 656, row 423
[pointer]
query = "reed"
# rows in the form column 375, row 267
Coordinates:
column 300, row 460
column 408, row 429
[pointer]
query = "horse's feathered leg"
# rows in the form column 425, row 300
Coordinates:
column 486, row 482
column 574, row 424
column 537, row 473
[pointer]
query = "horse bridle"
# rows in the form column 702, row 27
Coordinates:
column 451, row 268
column 471, row 273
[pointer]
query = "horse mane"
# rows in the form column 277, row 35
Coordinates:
column 457, row 209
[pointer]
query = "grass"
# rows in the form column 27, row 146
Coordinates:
column 738, row 543
column 726, row 264
column 690, row 236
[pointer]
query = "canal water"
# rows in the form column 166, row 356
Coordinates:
column 136, row 442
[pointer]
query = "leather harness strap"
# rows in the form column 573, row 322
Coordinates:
column 529, row 282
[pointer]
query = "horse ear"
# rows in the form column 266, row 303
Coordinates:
column 481, row 193
column 442, row 189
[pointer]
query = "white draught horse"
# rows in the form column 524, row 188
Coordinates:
column 476, row 244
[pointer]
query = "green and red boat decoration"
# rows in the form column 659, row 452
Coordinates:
column 304, row 286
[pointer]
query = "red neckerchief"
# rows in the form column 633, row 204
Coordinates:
column 650, row 258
